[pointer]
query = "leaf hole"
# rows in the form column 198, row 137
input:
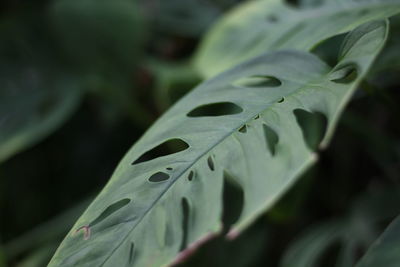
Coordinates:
column 210, row 163
column 313, row 126
column 271, row 138
column 281, row 100
column 169, row 168
column 110, row 210
column 159, row 177
column 185, row 223
column 344, row 74
column 233, row 202
column 243, row 129
column 131, row 253
column 191, row 176
column 329, row 50
column 258, row 81
column 169, row 147
column 215, row 109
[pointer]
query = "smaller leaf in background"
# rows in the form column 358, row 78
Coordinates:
column 49, row 232
column 36, row 95
column 189, row 18
column 38, row 257
column 308, row 248
column 32, row 106
column 103, row 42
column 99, row 37
column 386, row 71
column 186, row 18
column 353, row 232
column 244, row 251
column 268, row 25
column 172, row 81
column 386, row 250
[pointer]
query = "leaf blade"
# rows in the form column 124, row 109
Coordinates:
column 153, row 219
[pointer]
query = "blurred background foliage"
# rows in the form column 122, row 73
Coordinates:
column 81, row 80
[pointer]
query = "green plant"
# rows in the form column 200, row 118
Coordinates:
column 272, row 97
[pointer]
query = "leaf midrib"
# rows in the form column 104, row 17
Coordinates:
column 223, row 138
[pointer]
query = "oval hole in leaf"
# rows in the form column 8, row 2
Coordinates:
column 169, row 147
column 313, row 126
column 243, row 129
column 210, row 163
column 185, row 223
column 159, row 177
column 191, row 176
column 271, row 138
column 233, row 202
column 110, row 210
column 215, row 109
column 131, row 253
column 345, row 74
column 258, row 81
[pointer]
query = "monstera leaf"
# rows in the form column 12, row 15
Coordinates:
column 248, row 125
column 257, row 26
column 386, row 250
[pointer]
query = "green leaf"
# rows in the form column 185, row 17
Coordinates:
column 186, row 18
column 386, row 250
column 172, row 81
column 176, row 199
column 33, row 103
column 35, row 96
column 265, row 25
column 308, row 248
column 103, row 41
column 86, row 30
column 356, row 229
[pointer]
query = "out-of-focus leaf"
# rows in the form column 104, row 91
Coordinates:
column 387, row 69
column 264, row 25
column 159, row 207
column 189, row 18
column 244, row 251
column 356, row 230
column 307, row 250
column 36, row 95
column 103, row 41
column 99, row 36
column 172, row 81
column 33, row 103
column 38, row 257
column 386, row 250
column 48, row 232
column 186, row 18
